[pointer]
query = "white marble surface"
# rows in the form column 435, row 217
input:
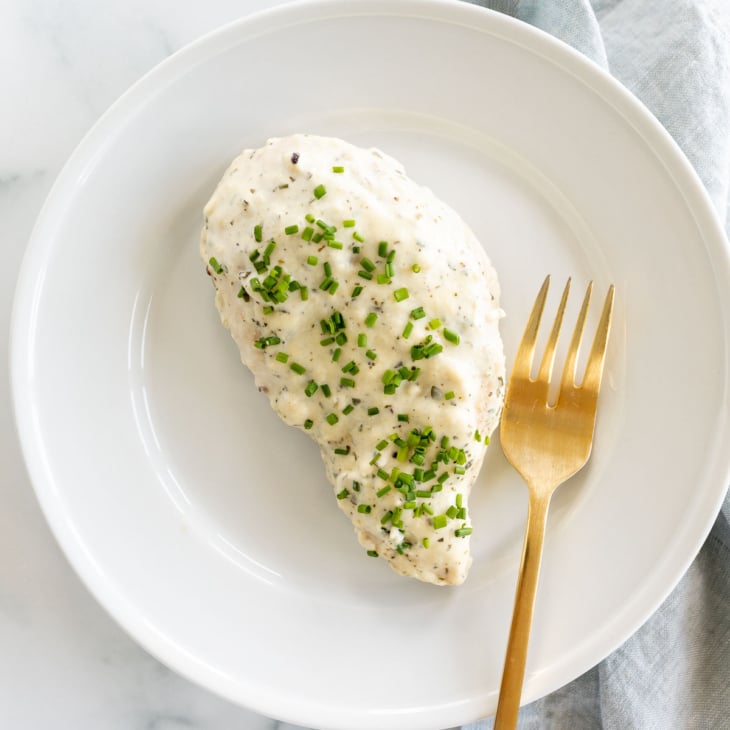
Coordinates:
column 63, row 662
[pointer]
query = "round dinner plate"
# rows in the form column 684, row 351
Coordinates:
column 206, row 527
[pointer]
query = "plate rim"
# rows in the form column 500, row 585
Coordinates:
column 30, row 278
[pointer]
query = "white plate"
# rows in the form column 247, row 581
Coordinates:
column 205, row 526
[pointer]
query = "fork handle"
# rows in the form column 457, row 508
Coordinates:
column 513, row 674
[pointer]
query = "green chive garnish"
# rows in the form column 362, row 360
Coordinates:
column 258, row 233
column 282, row 356
column 297, row 368
column 463, row 531
column 403, row 417
column 383, row 249
column 370, row 354
column 356, row 291
column 326, row 390
column 307, row 233
column 332, row 418
column 364, row 509
column 290, row 230
column 373, row 553
column 439, row 521
column 308, row 424
column 426, row 543
column 349, row 408
column 343, row 494
column 367, row 264
column 312, row 260
column 382, row 492
column 349, row 223
column 362, row 340
column 435, row 323
column 449, row 395
column 336, row 354
column 418, row 313
column 451, row 336
column 347, row 382
column 373, row 411
column 400, row 294
column 320, row 191
column 371, row 319
column 310, row 218
column 358, row 237
column 415, row 268
column 407, row 330
column 311, row 389
column 338, row 168
column 215, row 265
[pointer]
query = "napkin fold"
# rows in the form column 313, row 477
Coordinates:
column 674, row 673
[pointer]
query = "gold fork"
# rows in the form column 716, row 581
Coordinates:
column 546, row 443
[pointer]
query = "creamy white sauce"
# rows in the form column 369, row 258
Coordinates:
column 438, row 265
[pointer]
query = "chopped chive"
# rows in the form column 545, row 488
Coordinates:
column 215, row 265
column 297, row 368
column 356, row 249
column 308, row 424
column 290, row 230
column 371, row 354
column 349, row 408
column 270, row 246
column 400, row 294
column 372, row 553
column 459, row 500
column 449, row 395
column 258, row 233
column 367, row 264
column 268, row 309
column 307, row 233
column 282, row 356
column 358, row 237
column 403, row 417
column 356, row 291
column 365, row 274
column 383, row 249
column 317, row 237
column 459, row 470
column 340, row 337
column 383, row 474
column 312, row 260
column 336, row 354
column 355, row 486
column 373, row 411
column 338, row 168
column 477, row 435
column 349, row 223
column 326, row 390
column 418, row 313
column 435, row 323
column 347, row 382
column 451, row 336
column 371, row 319
column 335, row 244
column 362, row 340
column 389, row 270
column 439, row 521
column 320, row 191
column 310, row 218
column 426, row 543
column 343, row 452
column 407, row 330
column 383, row 279
column 364, row 509
column 326, row 283
column 415, row 268
column 327, row 266
column 381, row 445
column 332, row 419
column 382, row 492
column 343, row 494
column 311, row 389
column 463, row 531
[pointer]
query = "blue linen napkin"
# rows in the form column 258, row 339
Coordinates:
column 674, row 673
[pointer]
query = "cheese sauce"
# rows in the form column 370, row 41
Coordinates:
column 368, row 313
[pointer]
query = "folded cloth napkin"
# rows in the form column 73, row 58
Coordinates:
column 674, row 55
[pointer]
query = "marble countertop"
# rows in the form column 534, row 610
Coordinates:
column 65, row 663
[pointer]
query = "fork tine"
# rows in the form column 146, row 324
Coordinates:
column 594, row 368
column 548, row 358
column 523, row 359
column 571, row 360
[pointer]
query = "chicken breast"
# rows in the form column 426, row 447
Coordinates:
column 368, row 313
